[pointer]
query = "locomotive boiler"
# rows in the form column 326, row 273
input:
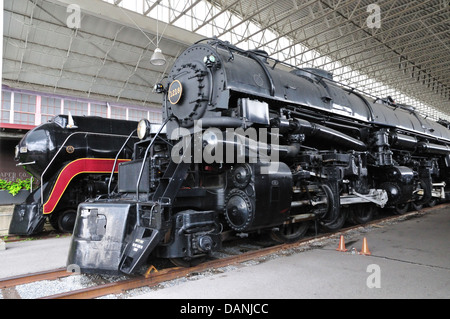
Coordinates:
column 72, row 157
column 249, row 144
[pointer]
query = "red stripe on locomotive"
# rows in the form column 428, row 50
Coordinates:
column 79, row 166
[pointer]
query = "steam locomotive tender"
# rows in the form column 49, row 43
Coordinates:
column 249, row 144
column 72, row 157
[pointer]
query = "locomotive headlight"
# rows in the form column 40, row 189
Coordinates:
column 16, row 153
column 143, row 129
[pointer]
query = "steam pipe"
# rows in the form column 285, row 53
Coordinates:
column 427, row 147
column 227, row 122
column 299, row 126
column 403, row 141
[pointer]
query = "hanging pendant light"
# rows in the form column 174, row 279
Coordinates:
column 158, row 58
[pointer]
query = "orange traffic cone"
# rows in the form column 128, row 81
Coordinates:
column 341, row 244
column 365, row 248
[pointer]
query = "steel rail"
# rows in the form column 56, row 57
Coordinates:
column 38, row 276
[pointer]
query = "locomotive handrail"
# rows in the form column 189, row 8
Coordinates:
column 146, row 154
column 115, row 161
column 27, row 163
column 369, row 107
column 253, row 56
column 59, row 150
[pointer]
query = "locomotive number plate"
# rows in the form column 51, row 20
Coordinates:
column 175, row 91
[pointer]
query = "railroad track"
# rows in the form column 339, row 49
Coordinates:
column 157, row 277
column 29, row 278
column 44, row 235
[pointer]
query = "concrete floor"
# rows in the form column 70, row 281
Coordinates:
column 31, row 256
column 410, row 259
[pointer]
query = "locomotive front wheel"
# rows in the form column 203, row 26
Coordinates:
column 290, row 233
column 64, row 220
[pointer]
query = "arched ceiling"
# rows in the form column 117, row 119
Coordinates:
column 404, row 51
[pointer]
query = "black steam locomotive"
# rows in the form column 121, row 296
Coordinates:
column 72, row 157
column 249, row 144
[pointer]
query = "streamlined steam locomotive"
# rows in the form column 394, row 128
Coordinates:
column 72, row 157
column 250, row 144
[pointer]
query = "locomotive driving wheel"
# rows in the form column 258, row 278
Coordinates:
column 290, row 233
column 423, row 195
column 432, row 202
column 401, row 208
column 361, row 213
column 330, row 215
column 338, row 222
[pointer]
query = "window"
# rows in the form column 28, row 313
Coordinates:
column 99, row 110
column 5, row 107
column 136, row 115
column 24, row 108
column 75, row 107
column 155, row 117
column 118, row 113
column 49, row 108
